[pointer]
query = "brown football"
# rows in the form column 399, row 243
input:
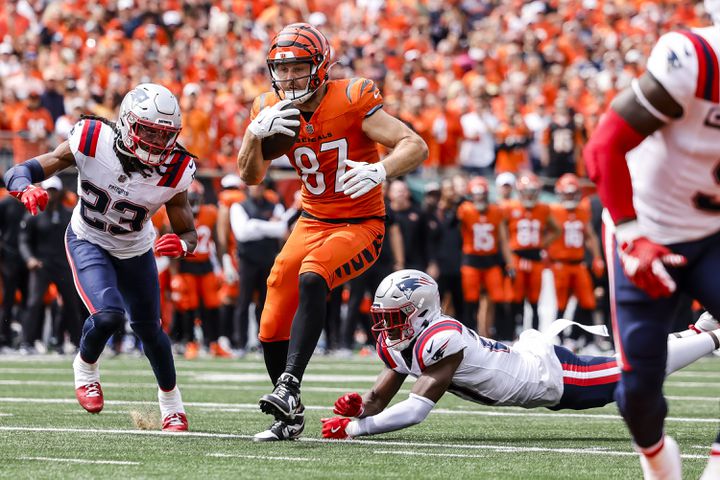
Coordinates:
column 279, row 144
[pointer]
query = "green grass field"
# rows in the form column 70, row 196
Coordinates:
column 45, row 434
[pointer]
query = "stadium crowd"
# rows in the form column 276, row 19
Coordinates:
column 493, row 87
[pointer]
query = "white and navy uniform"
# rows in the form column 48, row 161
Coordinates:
column 110, row 227
column 528, row 374
column 676, row 171
column 675, row 176
column 676, row 194
column 114, row 210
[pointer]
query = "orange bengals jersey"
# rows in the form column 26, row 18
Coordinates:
column 480, row 230
column 526, row 226
column 332, row 135
column 570, row 245
column 204, row 224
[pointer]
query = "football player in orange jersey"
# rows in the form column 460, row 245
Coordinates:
column 197, row 280
column 532, row 230
column 485, row 239
column 342, row 227
column 567, row 252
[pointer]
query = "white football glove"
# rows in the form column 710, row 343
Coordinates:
column 229, row 271
column 273, row 119
column 362, row 178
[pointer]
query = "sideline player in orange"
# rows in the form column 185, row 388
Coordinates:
column 485, row 238
column 198, row 280
column 343, row 222
column 532, row 230
column 567, row 252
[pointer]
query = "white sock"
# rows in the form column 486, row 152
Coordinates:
column 684, row 351
column 85, row 373
column 170, row 402
column 683, row 334
column 712, row 469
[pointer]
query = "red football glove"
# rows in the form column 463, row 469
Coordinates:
column 349, row 405
column 33, row 197
column 598, row 267
column 644, row 261
column 335, row 427
column 170, row 245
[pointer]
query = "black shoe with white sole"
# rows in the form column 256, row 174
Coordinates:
column 284, row 401
column 281, row 430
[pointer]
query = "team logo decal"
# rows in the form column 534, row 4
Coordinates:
column 408, row 286
column 122, row 178
column 309, row 129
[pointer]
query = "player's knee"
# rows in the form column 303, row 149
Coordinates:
column 639, row 388
column 146, row 331
column 107, row 320
column 312, row 283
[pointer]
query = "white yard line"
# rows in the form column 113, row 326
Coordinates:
column 501, row 449
column 260, row 457
column 493, row 448
column 239, row 407
column 80, row 460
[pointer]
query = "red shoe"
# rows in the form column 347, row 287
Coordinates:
column 90, row 397
column 175, row 422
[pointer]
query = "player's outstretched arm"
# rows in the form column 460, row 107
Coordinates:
column 428, row 389
column 408, row 149
column 183, row 240
column 20, row 179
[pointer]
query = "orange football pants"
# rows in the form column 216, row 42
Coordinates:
column 527, row 282
column 474, row 279
column 336, row 252
column 188, row 289
column 575, row 278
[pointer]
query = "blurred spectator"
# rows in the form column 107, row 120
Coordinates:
column 13, row 268
column 32, row 126
column 258, row 225
column 505, row 184
column 52, row 98
column 477, row 149
column 562, row 142
column 445, row 246
column 412, row 222
column 42, row 247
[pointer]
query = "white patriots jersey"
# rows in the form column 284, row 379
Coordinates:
column 676, row 171
column 114, row 209
column 527, row 374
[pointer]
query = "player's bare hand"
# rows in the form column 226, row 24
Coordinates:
column 361, row 178
column 274, row 119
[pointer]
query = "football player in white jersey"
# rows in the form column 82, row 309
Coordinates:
column 654, row 157
column 416, row 339
column 126, row 172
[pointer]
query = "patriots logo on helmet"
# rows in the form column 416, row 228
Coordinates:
column 409, row 285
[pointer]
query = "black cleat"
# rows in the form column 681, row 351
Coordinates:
column 281, row 430
column 284, row 401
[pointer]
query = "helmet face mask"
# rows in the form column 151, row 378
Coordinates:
column 405, row 302
column 149, row 123
column 528, row 187
column 568, row 191
column 289, row 83
column 393, row 325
